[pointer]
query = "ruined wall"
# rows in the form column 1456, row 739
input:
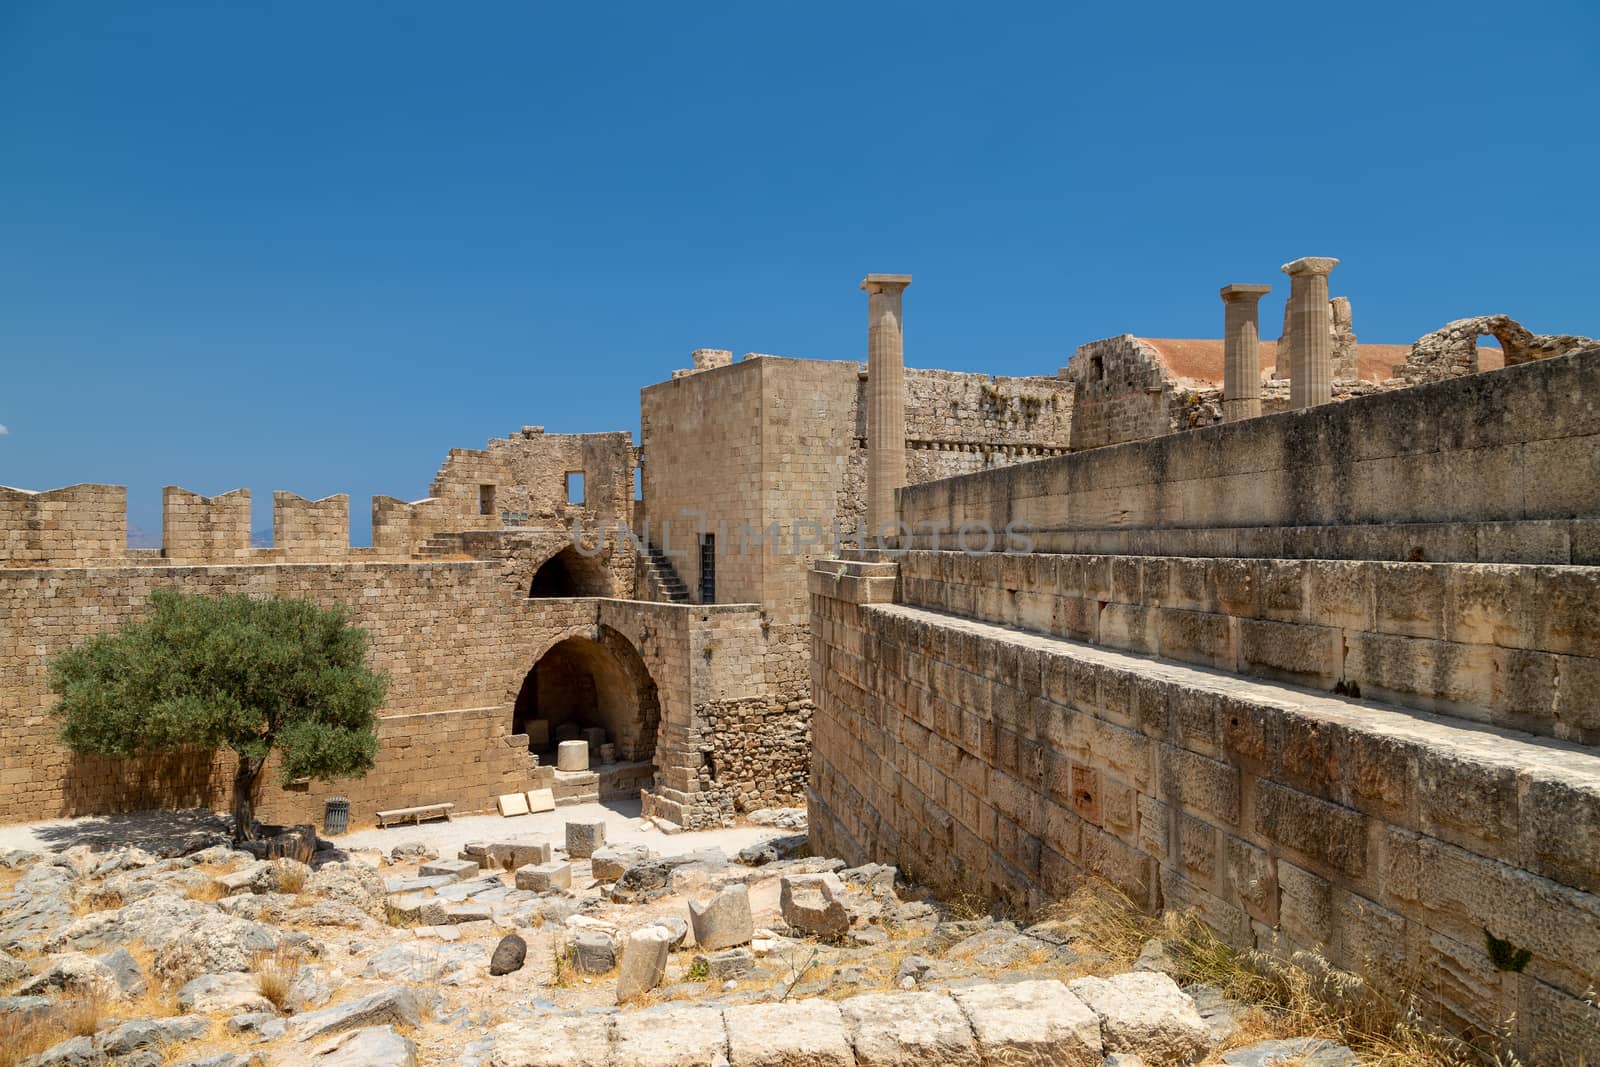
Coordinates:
column 1505, row 447
column 75, row 523
column 1452, row 350
column 1017, row 766
column 1121, row 392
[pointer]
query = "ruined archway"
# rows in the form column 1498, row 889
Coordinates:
column 591, row 681
column 570, row 573
column 1452, row 350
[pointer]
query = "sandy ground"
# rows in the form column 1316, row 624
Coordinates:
column 621, row 818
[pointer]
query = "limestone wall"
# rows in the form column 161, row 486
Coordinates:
column 1512, row 445
column 1512, row 645
column 197, row 528
column 76, row 523
column 311, row 529
column 1017, row 765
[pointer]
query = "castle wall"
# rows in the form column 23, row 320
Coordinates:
column 77, row 523
column 311, row 529
column 1017, row 766
column 457, row 640
column 197, row 528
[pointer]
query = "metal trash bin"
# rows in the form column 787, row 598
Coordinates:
column 336, row 816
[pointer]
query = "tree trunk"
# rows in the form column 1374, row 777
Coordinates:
column 245, row 781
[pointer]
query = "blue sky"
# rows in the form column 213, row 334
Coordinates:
column 313, row 246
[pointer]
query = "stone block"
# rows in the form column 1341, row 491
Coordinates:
column 644, row 962
column 669, row 1037
column 554, row 1041
column 729, row 963
column 544, row 877
column 1145, row 1013
column 592, row 952
column 608, row 863
column 572, row 756
column 908, row 1030
column 1033, row 1022
column 723, row 921
column 456, row 870
column 584, row 837
column 810, row 1032
column 512, row 804
column 814, row 903
column 1334, row 835
column 541, row 800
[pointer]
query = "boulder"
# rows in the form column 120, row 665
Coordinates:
column 583, row 838
column 311, row 987
column 422, row 964
column 73, row 972
column 372, row 1046
column 909, row 1030
column 262, row 1024
column 1144, row 1012
column 351, row 883
column 11, row 969
column 215, row 994
column 644, row 962
column 814, row 904
column 125, row 971
column 214, row 943
column 1292, row 1052
column 1037, row 1021
column 723, row 921
column 396, row 1005
column 509, row 955
column 608, row 863
column 413, row 852
column 258, row 876
column 593, row 952
column 731, row 963
column 150, row 1033
column 678, row 928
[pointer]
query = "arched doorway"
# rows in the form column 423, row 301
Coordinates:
column 593, row 682
column 569, row 573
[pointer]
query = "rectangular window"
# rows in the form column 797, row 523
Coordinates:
column 486, row 500
column 575, row 487
column 638, row 483
column 708, row 568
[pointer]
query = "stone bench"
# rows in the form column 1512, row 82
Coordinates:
column 415, row 814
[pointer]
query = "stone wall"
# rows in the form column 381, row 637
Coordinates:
column 1017, row 766
column 311, row 529
column 1452, row 350
column 199, row 529
column 1121, row 392
column 75, row 523
column 1517, row 646
column 1507, row 446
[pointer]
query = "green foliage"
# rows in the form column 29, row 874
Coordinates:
column 1503, row 954
column 228, row 671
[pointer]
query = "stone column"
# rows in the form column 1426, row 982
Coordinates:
column 1310, row 331
column 1241, row 351
column 886, row 398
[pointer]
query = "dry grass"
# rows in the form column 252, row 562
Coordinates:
column 291, row 877
column 274, row 970
column 88, row 901
column 10, row 876
column 1301, row 996
column 22, row 1036
column 208, row 892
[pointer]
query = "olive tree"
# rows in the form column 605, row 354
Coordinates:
column 252, row 674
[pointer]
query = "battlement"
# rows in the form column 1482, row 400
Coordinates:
column 76, row 524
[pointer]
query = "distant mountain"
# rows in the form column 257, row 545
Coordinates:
column 139, row 537
column 261, row 538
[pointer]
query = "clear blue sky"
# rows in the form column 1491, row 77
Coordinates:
column 312, row 246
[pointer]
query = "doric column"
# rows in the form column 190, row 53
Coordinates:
column 1310, row 331
column 886, row 398
column 1241, row 351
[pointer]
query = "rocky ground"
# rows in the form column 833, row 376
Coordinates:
column 522, row 950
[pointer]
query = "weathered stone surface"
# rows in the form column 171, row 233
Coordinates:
column 456, row 870
column 153, row 1033
column 671, row 1037
column 675, row 926
column 508, row 955
column 583, row 838
column 373, row 1046
column 908, row 1030
column 544, row 877
column 1034, row 1022
column 1144, row 1012
column 559, row 1041
column 723, row 921
column 217, row 994
column 1292, row 1052
column 644, row 962
column 73, row 972
column 814, row 903
column 593, row 952
column 422, row 963
column 730, row 963
column 352, row 883
column 394, row 1006
column 805, row 1032
column 608, row 863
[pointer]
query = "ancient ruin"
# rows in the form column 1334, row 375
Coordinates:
column 1302, row 637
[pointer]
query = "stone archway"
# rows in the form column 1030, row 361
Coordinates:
column 1452, row 350
column 570, row 573
column 593, row 679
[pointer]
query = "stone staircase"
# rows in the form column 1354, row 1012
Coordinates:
column 659, row 572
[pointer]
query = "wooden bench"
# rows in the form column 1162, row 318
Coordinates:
column 416, row 814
